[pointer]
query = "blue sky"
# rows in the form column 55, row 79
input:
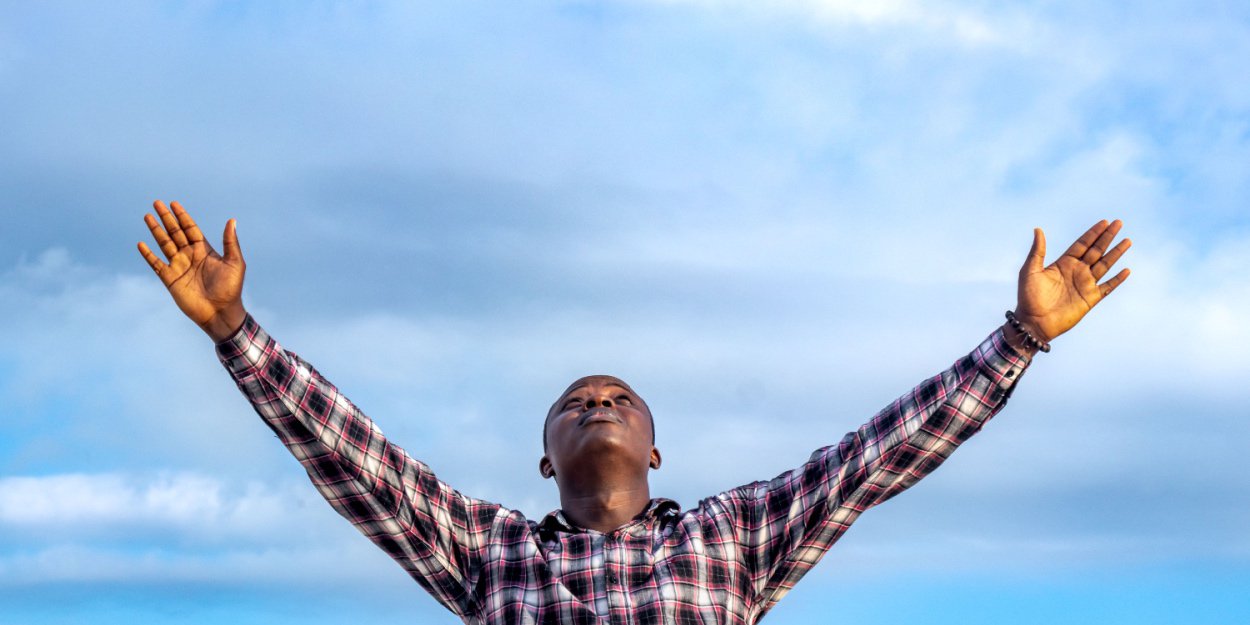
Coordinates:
column 788, row 213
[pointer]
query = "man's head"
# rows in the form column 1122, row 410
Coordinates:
column 598, row 419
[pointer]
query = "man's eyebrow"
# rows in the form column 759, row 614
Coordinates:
column 581, row 385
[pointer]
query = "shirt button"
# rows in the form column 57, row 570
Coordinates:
column 1011, row 373
column 612, row 578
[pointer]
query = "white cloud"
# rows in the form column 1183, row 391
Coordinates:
column 178, row 527
column 959, row 23
column 69, row 507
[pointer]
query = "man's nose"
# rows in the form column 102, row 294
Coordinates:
column 599, row 401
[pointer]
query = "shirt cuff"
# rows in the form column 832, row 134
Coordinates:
column 1001, row 362
column 244, row 349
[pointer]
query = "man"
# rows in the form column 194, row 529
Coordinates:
column 612, row 553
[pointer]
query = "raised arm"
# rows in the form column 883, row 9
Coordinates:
column 207, row 286
column 784, row 526
column 437, row 534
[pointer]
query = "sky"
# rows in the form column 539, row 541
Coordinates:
column 770, row 218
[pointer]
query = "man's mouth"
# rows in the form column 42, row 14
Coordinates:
column 599, row 415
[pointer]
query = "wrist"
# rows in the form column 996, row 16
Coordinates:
column 1033, row 327
column 1024, row 335
column 226, row 322
column 1015, row 338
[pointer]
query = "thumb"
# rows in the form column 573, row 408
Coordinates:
column 230, row 242
column 1036, row 260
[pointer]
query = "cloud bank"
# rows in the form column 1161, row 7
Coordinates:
column 771, row 218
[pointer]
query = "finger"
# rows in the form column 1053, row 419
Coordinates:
column 1036, row 260
column 1095, row 251
column 1104, row 264
column 1077, row 250
column 154, row 262
column 230, row 242
column 162, row 239
column 1107, row 287
column 188, row 225
column 171, row 224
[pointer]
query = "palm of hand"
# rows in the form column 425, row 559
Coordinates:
column 201, row 281
column 1053, row 299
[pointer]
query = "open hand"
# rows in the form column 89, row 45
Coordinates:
column 1052, row 299
column 207, row 286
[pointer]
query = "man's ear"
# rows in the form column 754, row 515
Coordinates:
column 545, row 468
column 655, row 458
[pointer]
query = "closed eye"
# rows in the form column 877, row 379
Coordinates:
column 623, row 399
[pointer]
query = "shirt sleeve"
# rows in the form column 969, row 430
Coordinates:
column 434, row 532
column 784, row 526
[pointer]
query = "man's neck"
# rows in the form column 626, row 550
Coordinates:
column 606, row 509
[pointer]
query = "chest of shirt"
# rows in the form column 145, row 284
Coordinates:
column 676, row 569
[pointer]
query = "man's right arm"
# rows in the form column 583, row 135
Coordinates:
column 437, row 534
column 434, row 532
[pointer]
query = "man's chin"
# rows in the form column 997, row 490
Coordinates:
column 603, row 442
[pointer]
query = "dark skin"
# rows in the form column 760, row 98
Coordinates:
column 599, row 434
column 599, row 449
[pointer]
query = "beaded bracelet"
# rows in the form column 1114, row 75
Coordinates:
column 1028, row 338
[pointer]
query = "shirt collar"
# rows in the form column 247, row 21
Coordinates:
column 555, row 520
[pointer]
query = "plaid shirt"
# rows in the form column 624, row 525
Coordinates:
column 726, row 561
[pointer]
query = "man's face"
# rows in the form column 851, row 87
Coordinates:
column 598, row 417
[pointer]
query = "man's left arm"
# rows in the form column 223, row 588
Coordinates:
column 786, row 525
